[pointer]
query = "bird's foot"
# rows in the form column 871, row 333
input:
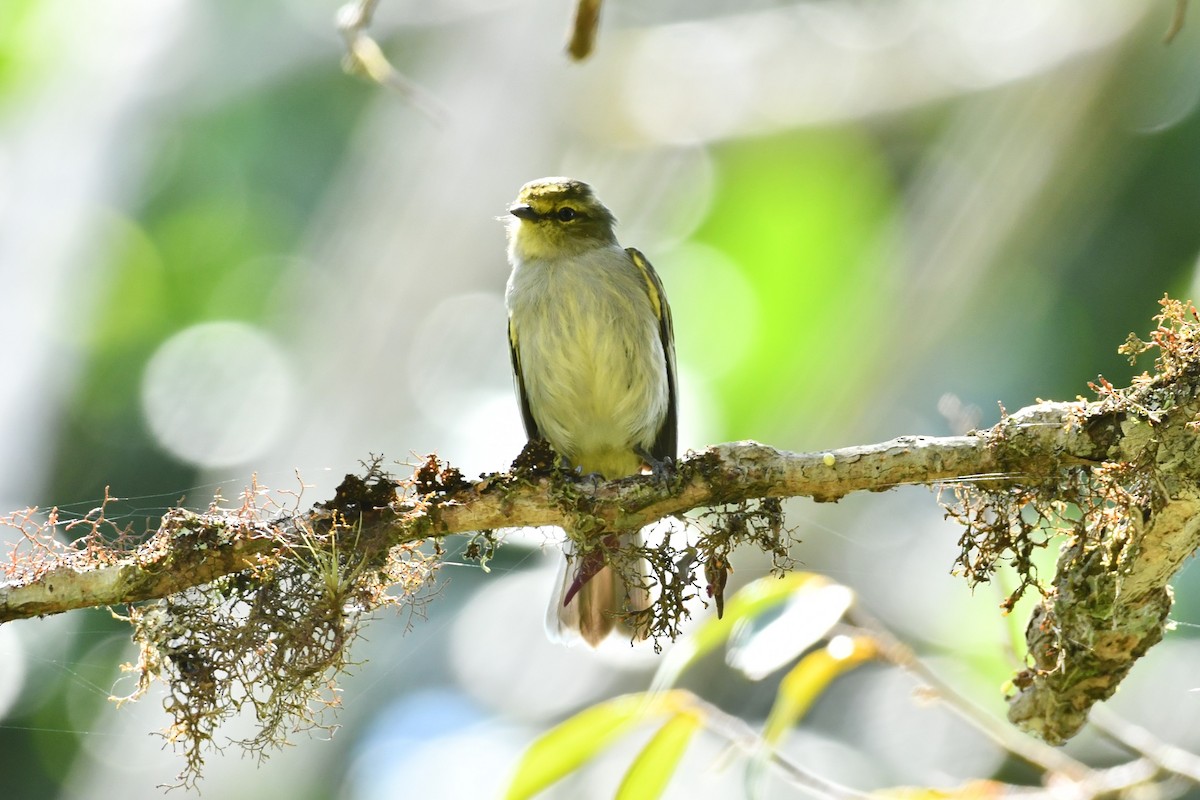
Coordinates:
column 662, row 469
column 589, row 479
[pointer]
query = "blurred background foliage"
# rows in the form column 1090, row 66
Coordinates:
column 221, row 256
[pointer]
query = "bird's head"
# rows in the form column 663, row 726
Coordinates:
column 557, row 217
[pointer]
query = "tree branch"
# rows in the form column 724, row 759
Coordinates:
column 190, row 549
column 583, row 30
column 1119, row 476
column 365, row 57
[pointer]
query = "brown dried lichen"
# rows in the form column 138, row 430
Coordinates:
column 275, row 638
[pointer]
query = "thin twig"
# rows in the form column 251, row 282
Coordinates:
column 1157, row 756
column 583, row 31
column 1033, row 750
column 364, row 56
column 1139, row 740
column 740, row 734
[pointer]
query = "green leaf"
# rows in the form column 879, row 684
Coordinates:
column 571, row 744
column 651, row 771
column 805, row 682
column 809, row 615
column 799, row 689
column 752, row 600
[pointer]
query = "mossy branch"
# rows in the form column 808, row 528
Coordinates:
column 193, row 548
column 1120, row 476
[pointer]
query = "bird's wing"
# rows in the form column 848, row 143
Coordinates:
column 665, row 442
column 514, row 350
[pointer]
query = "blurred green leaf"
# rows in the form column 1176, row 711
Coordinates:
column 751, row 600
column 802, row 215
column 651, row 771
column 805, row 682
column 134, row 309
column 207, row 243
column 21, row 55
column 807, row 618
column 798, row 690
column 571, row 744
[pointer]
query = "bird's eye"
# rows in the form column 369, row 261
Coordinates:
column 566, row 214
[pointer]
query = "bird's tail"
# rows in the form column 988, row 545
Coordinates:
column 593, row 598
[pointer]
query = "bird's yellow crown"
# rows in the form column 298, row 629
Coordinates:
column 558, row 217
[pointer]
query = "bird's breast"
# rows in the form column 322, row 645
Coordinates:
column 591, row 357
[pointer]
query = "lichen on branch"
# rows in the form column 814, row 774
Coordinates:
column 1130, row 512
column 257, row 605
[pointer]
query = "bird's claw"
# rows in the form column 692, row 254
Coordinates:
column 589, row 479
column 663, row 469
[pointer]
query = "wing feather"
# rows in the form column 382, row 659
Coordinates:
column 665, row 442
column 514, row 351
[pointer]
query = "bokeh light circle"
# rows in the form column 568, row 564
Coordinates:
column 217, row 394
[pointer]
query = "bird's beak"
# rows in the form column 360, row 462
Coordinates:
column 523, row 211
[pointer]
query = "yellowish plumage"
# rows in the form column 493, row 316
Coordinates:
column 593, row 356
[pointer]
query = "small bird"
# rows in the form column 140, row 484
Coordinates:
column 593, row 356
